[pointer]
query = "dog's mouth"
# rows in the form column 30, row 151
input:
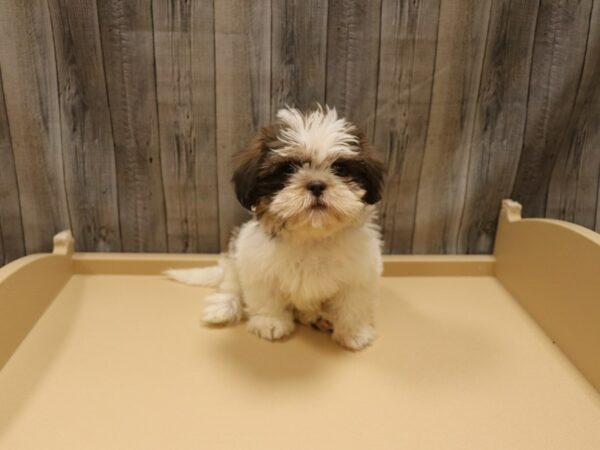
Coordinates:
column 318, row 205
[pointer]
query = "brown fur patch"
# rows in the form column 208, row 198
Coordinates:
column 367, row 170
column 250, row 165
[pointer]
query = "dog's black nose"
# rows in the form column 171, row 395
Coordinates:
column 316, row 187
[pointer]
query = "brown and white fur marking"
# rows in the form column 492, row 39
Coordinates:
column 312, row 252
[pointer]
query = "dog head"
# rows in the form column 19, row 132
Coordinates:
column 310, row 172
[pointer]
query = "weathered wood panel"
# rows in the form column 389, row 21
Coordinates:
column 558, row 56
column 575, row 181
column 299, row 47
column 501, row 108
column 243, row 88
column 30, row 90
column 128, row 49
column 185, row 68
column 12, row 243
column 119, row 118
column 353, row 32
column 462, row 32
column 87, row 141
column 406, row 72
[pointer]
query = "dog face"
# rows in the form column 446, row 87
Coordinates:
column 309, row 172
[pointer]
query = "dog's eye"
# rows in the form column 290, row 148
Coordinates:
column 340, row 169
column 289, row 168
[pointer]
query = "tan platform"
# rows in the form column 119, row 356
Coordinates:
column 101, row 352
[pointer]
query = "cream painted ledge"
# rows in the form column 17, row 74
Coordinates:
column 394, row 265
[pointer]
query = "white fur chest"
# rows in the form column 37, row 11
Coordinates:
column 306, row 274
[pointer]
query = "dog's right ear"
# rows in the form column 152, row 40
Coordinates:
column 245, row 176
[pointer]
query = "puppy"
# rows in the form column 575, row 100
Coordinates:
column 312, row 251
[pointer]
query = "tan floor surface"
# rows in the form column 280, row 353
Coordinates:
column 120, row 362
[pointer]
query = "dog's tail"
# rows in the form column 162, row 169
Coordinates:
column 224, row 306
column 204, row 276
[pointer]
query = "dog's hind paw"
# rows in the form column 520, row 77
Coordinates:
column 222, row 308
column 270, row 328
column 356, row 339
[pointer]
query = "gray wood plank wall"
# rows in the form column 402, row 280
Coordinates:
column 118, row 118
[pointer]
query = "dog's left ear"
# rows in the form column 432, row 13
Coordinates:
column 372, row 173
column 371, row 170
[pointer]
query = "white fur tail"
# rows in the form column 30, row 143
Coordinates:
column 205, row 276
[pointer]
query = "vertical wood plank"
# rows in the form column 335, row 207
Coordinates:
column 499, row 121
column 243, row 86
column 28, row 66
column 462, row 35
column 299, row 46
column 12, row 243
column 558, row 55
column 119, row 120
column 128, row 49
column 88, row 148
column 184, row 47
column 353, row 32
column 407, row 61
column 575, row 181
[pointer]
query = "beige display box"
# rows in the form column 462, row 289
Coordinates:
column 99, row 351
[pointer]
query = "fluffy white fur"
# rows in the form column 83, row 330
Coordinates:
column 320, row 134
column 324, row 262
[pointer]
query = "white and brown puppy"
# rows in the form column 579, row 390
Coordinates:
column 312, row 251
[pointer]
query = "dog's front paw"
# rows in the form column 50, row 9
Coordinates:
column 356, row 339
column 270, row 328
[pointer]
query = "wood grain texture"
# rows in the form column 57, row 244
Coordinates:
column 243, row 88
column 558, row 58
column 185, row 67
column 30, row 90
column 87, row 141
column 353, row 32
column 119, row 118
column 575, row 181
column 12, row 243
column 299, row 47
column 128, row 49
column 463, row 27
column 501, row 108
column 406, row 72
